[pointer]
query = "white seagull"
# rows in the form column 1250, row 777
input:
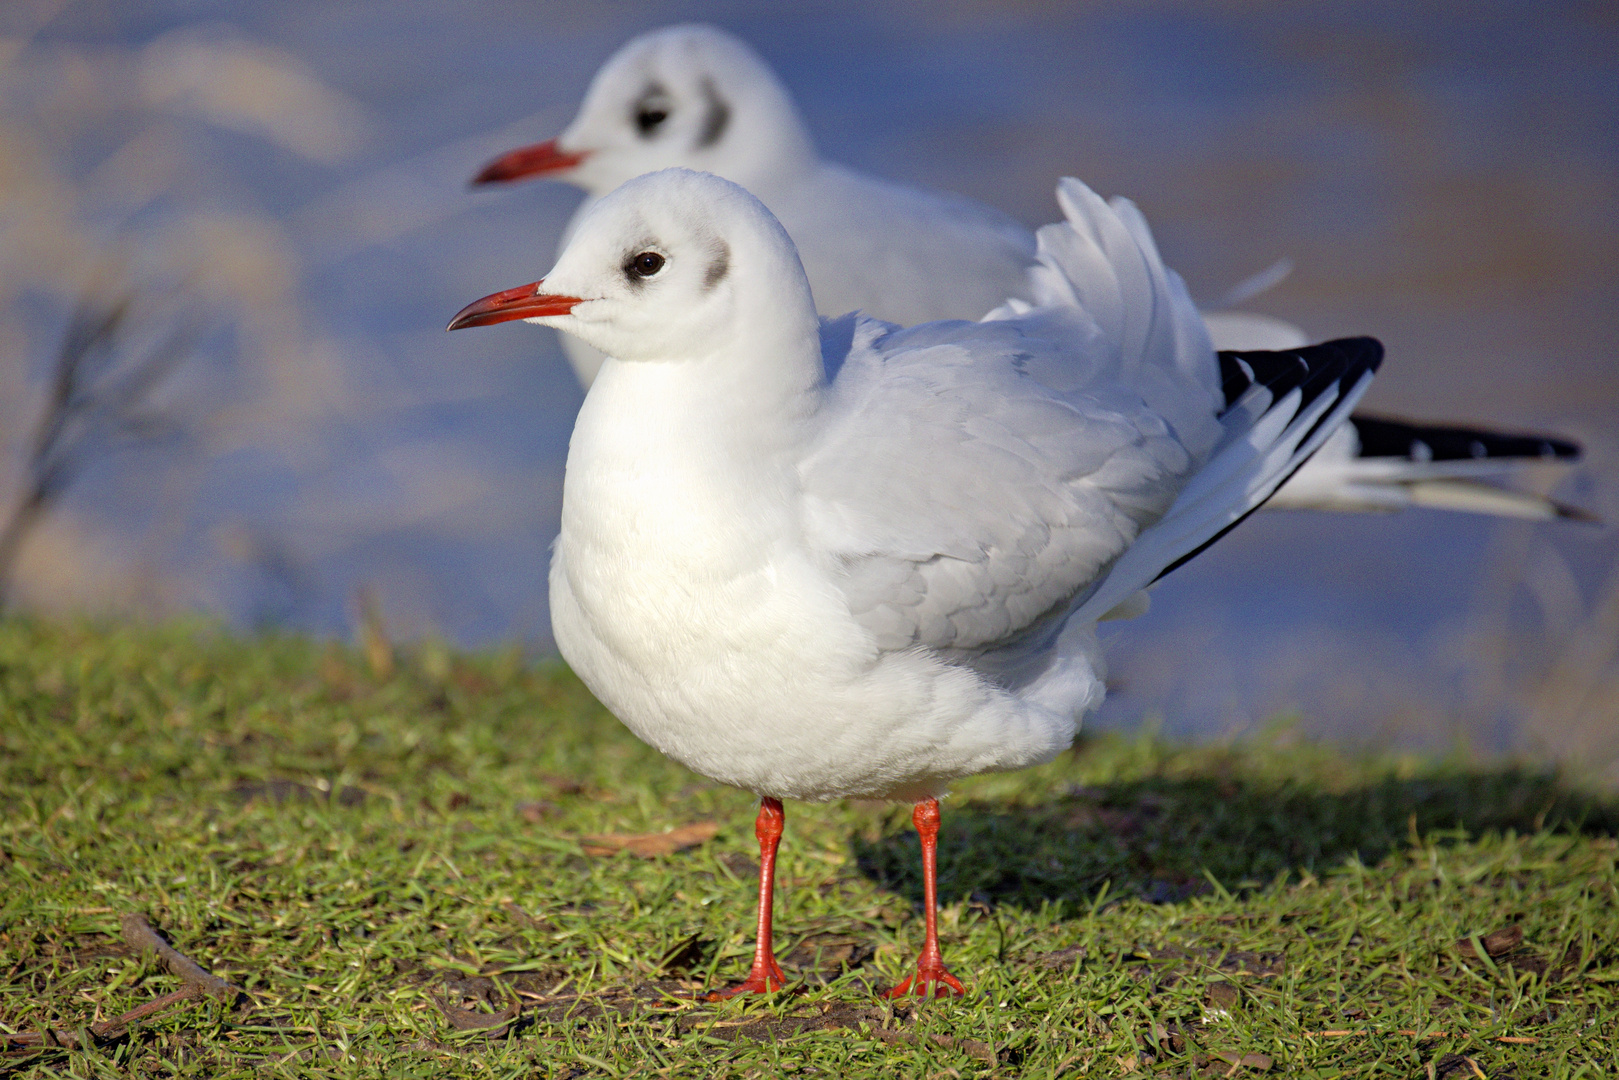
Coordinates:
column 697, row 97
column 827, row 559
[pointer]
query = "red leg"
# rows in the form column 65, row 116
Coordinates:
column 932, row 979
column 766, row 973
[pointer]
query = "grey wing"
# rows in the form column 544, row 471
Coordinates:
column 902, row 254
column 959, row 495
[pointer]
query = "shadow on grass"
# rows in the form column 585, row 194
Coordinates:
column 1159, row 838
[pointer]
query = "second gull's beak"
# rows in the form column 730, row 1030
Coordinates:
column 545, row 157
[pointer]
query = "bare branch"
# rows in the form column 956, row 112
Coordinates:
column 89, row 403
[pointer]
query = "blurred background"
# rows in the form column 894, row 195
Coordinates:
column 231, row 235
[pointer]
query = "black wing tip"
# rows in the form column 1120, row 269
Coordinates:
column 1312, row 367
column 1365, row 351
column 1387, row 436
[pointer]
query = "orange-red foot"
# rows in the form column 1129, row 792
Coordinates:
column 759, row 981
column 930, row 980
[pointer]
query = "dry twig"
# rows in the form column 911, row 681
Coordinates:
column 648, row 845
column 468, row 1020
column 1336, row 1033
column 138, row 934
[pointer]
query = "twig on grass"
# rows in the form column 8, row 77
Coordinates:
column 1257, row 1062
column 102, row 1032
column 649, row 845
column 138, row 934
column 468, row 1020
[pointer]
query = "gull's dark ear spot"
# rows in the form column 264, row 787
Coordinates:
column 718, row 268
column 716, row 117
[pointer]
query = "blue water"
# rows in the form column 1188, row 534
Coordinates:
column 1445, row 179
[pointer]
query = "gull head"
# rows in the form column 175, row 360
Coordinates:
column 688, row 96
column 675, row 265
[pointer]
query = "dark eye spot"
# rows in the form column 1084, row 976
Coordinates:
column 645, row 264
column 647, row 120
column 651, row 110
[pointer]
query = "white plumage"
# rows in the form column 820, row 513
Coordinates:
column 821, row 559
column 694, row 96
column 894, row 252
column 875, row 584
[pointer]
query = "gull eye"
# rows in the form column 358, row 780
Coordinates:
column 645, row 264
column 651, row 109
column 647, row 119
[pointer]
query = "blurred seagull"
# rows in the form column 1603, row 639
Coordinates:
column 697, row 97
column 827, row 559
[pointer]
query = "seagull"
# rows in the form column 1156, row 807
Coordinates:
column 820, row 559
column 698, row 97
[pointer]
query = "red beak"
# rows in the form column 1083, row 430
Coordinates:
column 523, row 302
column 533, row 160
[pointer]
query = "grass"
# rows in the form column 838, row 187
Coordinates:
column 379, row 851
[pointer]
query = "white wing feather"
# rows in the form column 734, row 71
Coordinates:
column 972, row 479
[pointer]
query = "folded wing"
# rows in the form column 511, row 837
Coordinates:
column 975, row 479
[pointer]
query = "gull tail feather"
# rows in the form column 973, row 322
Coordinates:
column 1280, row 408
column 1381, row 464
column 1472, row 497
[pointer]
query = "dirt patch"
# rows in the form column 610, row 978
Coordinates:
column 1506, row 947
